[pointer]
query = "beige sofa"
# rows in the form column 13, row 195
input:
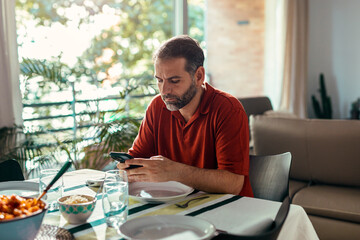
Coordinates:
column 325, row 171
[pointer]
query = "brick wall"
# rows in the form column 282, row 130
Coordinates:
column 235, row 45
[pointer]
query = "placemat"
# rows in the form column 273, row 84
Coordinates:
column 51, row 232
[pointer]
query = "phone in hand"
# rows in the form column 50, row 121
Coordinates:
column 121, row 157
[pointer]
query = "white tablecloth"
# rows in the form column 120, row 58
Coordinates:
column 235, row 214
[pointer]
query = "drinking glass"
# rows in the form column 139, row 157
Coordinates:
column 55, row 192
column 115, row 198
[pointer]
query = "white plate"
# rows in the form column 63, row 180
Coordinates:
column 158, row 192
column 21, row 188
column 168, row 227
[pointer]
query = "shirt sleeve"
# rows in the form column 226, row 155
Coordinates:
column 143, row 146
column 232, row 138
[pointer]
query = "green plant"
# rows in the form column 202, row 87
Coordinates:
column 117, row 135
column 325, row 110
column 109, row 132
column 113, row 136
column 355, row 109
column 17, row 145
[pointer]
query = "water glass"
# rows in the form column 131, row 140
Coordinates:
column 115, row 198
column 55, row 192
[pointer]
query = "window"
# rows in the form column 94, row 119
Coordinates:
column 87, row 62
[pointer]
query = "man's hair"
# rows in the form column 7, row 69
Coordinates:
column 182, row 47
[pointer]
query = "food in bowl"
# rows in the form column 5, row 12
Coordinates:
column 21, row 217
column 14, row 206
column 76, row 209
column 75, row 199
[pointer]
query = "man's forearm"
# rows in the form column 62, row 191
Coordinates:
column 211, row 180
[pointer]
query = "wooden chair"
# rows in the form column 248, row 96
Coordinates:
column 10, row 170
column 270, row 234
column 269, row 176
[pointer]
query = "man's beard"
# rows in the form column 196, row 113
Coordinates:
column 181, row 101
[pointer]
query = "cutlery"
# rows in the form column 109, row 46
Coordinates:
column 185, row 205
column 57, row 176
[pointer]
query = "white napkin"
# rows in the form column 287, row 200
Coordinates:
column 188, row 235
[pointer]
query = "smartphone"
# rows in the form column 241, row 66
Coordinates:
column 121, row 157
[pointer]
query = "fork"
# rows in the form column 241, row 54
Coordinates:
column 185, row 205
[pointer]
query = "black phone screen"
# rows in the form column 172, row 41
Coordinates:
column 121, row 157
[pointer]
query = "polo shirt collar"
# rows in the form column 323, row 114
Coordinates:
column 207, row 98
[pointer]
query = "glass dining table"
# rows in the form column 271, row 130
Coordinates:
column 231, row 213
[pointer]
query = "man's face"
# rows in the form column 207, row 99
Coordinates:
column 176, row 86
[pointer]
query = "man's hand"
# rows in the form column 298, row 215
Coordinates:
column 162, row 169
column 155, row 169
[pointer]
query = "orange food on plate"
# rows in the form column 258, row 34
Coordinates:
column 15, row 206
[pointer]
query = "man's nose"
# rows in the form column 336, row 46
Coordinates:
column 166, row 88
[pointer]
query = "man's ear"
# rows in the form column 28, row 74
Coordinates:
column 200, row 75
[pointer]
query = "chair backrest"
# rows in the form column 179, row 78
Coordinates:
column 256, row 105
column 269, row 176
column 10, row 170
column 270, row 234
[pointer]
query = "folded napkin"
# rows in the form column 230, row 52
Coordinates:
column 188, row 235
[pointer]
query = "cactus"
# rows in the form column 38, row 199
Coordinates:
column 355, row 109
column 326, row 111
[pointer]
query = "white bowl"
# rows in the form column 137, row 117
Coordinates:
column 23, row 227
column 79, row 212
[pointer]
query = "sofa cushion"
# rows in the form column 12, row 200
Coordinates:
column 279, row 135
column 323, row 151
column 279, row 114
column 295, row 186
column 342, row 203
column 334, row 151
column 331, row 229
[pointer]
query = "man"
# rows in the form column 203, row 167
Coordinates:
column 191, row 133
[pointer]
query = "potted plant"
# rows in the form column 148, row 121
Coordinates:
column 109, row 131
column 324, row 110
column 15, row 144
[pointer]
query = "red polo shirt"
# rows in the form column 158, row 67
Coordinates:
column 216, row 136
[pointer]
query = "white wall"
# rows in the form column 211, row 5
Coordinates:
column 334, row 49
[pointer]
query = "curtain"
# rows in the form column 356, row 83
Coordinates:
column 293, row 95
column 10, row 96
column 286, row 55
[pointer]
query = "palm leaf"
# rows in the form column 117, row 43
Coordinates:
column 14, row 144
column 49, row 70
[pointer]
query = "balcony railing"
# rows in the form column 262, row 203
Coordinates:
column 76, row 129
